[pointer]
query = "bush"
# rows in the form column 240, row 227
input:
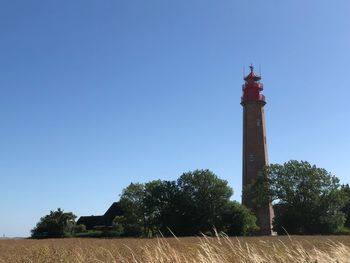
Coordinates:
column 98, row 234
column 343, row 231
column 79, row 228
column 237, row 220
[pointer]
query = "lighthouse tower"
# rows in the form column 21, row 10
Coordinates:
column 254, row 145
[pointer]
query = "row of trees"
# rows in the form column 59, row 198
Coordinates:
column 306, row 199
column 195, row 203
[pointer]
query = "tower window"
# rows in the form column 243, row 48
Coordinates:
column 258, row 122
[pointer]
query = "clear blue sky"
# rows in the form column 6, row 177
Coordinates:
column 98, row 94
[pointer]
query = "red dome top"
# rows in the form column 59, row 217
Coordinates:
column 252, row 76
column 252, row 88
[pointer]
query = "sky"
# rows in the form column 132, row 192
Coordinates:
column 97, row 94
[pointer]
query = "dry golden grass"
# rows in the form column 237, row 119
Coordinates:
column 304, row 249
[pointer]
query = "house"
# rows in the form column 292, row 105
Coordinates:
column 101, row 221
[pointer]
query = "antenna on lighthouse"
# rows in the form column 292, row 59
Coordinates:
column 259, row 69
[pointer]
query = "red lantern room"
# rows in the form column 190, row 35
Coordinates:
column 252, row 88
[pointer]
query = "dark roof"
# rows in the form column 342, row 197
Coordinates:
column 113, row 211
column 90, row 221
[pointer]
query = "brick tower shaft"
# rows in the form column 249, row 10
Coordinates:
column 254, row 146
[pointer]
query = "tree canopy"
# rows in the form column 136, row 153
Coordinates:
column 307, row 199
column 346, row 209
column 203, row 198
column 196, row 203
column 56, row 224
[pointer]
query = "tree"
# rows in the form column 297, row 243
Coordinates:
column 307, row 199
column 161, row 205
column 148, row 208
column 119, row 223
column 132, row 202
column 346, row 209
column 237, row 220
column 203, row 197
column 57, row 224
column 196, row 203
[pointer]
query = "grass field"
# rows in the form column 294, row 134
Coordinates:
column 306, row 249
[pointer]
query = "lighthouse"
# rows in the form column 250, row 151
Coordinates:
column 255, row 146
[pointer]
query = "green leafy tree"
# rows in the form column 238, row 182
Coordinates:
column 307, row 199
column 132, row 203
column 237, row 220
column 203, row 197
column 57, row 224
column 161, row 205
column 119, row 223
column 147, row 207
column 346, row 209
column 196, row 203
